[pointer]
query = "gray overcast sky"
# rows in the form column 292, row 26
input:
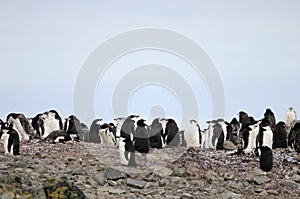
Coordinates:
column 255, row 46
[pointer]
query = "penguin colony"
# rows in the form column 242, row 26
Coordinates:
column 242, row 135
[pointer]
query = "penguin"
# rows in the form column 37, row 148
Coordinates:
column 291, row 117
column 56, row 136
column 280, row 136
column 297, row 143
column 266, row 158
column 218, row 136
column 235, row 126
column 269, row 115
column 20, row 124
column 73, row 128
column 250, row 145
column 208, row 135
column 141, row 139
column 119, row 122
column 106, row 136
column 265, row 141
column 244, row 119
column 292, row 135
column 127, row 132
column 94, row 131
column 172, row 133
column 155, row 134
column 10, row 138
column 124, row 156
column 192, row 135
column 57, row 117
column 264, row 136
column 51, row 122
column 37, row 124
column 85, row 132
column 163, row 122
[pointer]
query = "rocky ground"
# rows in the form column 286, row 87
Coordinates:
column 85, row 170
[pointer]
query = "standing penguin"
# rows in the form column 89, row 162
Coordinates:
column 21, row 125
column 11, row 139
column 51, row 121
column 37, row 125
column 73, row 128
column 293, row 134
column 269, row 115
column 155, row 134
column 119, row 122
column 265, row 141
column 94, row 131
column 172, row 132
column 141, row 139
column 218, row 136
column 291, row 117
column 192, row 135
column 127, row 132
column 266, row 159
column 244, row 119
column 297, row 143
column 280, row 136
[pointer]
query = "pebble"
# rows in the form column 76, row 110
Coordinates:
column 261, row 180
column 212, row 177
column 114, row 174
column 100, row 179
column 136, row 183
column 162, row 172
column 231, row 195
column 116, row 191
column 112, row 183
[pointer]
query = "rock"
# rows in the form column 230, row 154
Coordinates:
column 114, row 174
column 257, row 172
column 100, row 179
column 116, row 191
column 57, row 188
column 290, row 184
column 50, row 168
column 181, row 171
column 228, row 176
column 178, row 183
column 3, row 167
column 163, row 182
column 162, row 172
column 258, row 190
column 273, row 192
column 186, row 196
column 39, row 194
column 231, row 195
column 264, row 193
column 136, row 183
column 151, row 192
column 297, row 158
column 261, row 180
column 297, row 179
column 228, row 145
column 193, row 170
column 211, row 177
column 112, row 183
column 91, row 182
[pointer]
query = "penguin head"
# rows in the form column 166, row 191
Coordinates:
column 193, row 122
column 141, row 123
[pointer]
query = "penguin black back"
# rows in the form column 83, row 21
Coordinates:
column 155, row 133
column 266, row 159
column 141, row 143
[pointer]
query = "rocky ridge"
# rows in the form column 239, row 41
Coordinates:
column 86, row 170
